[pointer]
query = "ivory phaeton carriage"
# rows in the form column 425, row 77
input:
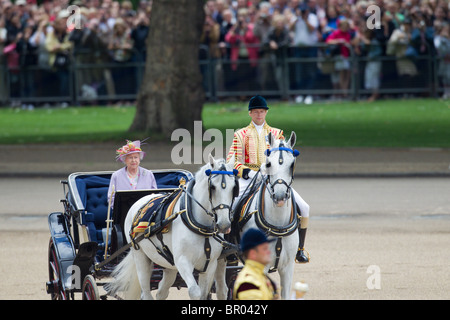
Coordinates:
column 88, row 240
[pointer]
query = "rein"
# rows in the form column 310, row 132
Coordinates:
column 186, row 214
column 188, row 218
column 271, row 229
column 261, row 222
column 199, row 228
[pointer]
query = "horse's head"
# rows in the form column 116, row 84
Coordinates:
column 223, row 187
column 279, row 167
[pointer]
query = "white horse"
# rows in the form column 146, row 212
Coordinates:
column 272, row 210
column 209, row 198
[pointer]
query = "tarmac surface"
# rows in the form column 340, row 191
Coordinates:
column 379, row 227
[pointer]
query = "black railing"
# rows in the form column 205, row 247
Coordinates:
column 285, row 73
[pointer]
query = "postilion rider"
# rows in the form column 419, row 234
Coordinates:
column 249, row 146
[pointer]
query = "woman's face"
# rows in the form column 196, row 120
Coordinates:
column 344, row 27
column 279, row 24
column 119, row 29
column 16, row 20
column 331, row 12
column 59, row 25
column 242, row 21
column 133, row 160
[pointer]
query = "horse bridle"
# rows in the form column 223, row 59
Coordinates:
column 280, row 149
column 222, row 171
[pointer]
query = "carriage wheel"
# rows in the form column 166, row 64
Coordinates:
column 54, row 286
column 90, row 289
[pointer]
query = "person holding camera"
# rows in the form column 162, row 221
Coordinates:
column 244, row 52
column 305, row 29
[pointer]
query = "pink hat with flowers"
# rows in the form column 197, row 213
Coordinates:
column 129, row 148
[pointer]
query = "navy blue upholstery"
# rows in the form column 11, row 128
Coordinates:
column 97, row 209
column 93, row 192
column 168, row 179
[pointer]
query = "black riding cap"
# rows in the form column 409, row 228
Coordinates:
column 257, row 102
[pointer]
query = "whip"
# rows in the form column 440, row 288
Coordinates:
column 108, row 221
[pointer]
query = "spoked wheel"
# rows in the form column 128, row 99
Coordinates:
column 90, row 289
column 54, row 285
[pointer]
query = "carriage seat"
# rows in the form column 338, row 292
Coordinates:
column 169, row 180
column 93, row 191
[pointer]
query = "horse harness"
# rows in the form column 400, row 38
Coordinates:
column 184, row 195
column 268, row 228
column 261, row 222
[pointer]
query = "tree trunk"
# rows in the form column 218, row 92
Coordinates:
column 171, row 94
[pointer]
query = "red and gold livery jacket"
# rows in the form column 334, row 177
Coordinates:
column 248, row 146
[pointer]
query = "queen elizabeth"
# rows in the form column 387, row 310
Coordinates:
column 132, row 176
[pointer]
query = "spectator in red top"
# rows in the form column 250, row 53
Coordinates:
column 343, row 38
column 242, row 40
column 244, row 51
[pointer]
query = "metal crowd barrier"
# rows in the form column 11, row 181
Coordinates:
column 284, row 73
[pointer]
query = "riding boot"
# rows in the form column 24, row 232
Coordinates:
column 301, row 257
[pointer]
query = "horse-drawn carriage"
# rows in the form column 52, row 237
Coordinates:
column 87, row 243
column 83, row 248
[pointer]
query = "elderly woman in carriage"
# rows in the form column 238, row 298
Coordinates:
column 96, row 234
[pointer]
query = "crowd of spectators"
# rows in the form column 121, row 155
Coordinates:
column 402, row 30
column 38, row 41
column 246, row 39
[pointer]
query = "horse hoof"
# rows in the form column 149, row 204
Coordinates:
column 195, row 293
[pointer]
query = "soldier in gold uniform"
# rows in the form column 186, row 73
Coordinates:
column 248, row 148
column 252, row 283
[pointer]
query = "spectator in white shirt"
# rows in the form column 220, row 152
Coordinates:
column 305, row 41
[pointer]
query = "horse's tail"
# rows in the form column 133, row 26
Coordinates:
column 125, row 279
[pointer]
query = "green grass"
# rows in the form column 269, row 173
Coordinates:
column 385, row 123
column 64, row 125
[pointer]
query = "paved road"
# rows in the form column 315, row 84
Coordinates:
column 400, row 225
column 328, row 197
